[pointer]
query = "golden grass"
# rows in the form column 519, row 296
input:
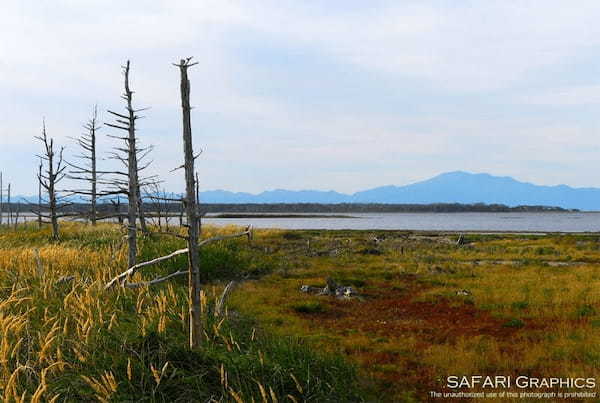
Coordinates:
column 48, row 326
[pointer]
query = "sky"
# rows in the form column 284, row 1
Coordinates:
column 338, row 94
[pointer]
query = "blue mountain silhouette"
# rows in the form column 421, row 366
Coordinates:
column 451, row 187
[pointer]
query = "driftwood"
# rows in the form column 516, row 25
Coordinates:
column 121, row 278
column 330, row 289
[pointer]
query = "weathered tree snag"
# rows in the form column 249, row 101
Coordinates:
column 17, row 213
column 133, row 177
column 129, row 182
column 117, row 208
column 160, row 205
column 39, row 218
column 49, row 178
column 87, row 171
column 9, row 205
column 130, row 160
column 191, row 210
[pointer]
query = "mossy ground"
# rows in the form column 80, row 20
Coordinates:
column 532, row 305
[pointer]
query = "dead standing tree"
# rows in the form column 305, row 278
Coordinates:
column 49, row 178
column 87, row 171
column 39, row 204
column 5, row 202
column 159, row 203
column 128, row 183
column 192, row 238
column 191, row 210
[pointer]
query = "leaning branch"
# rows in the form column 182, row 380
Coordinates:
column 155, row 281
column 133, row 269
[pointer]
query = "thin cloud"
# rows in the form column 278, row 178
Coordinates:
column 344, row 95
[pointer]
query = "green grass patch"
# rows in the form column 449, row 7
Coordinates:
column 309, row 307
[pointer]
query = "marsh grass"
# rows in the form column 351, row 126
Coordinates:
column 74, row 341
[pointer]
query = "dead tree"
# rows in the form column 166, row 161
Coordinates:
column 117, row 208
column 39, row 218
column 159, row 203
column 128, row 182
column 9, row 218
column 189, row 202
column 87, row 171
column 17, row 213
column 49, row 178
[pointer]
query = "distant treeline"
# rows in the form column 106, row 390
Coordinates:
column 371, row 208
column 310, row 208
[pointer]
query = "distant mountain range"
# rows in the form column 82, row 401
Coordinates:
column 452, row 187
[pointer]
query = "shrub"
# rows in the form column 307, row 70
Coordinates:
column 309, row 307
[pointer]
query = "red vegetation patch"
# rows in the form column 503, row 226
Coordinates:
column 390, row 312
column 387, row 313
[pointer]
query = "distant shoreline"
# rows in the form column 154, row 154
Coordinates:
column 277, row 215
column 291, row 210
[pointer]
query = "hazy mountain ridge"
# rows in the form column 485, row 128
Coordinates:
column 452, row 187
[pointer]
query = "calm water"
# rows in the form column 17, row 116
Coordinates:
column 542, row 222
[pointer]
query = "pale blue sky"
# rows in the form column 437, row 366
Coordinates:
column 342, row 95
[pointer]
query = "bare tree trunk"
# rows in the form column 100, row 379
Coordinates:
column 181, row 211
column 87, row 170
column 130, row 186
column 198, row 205
column 9, row 207
column 117, row 207
column 142, row 216
column 17, row 216
column 132, row 173
column 191, row 211
column 52, row 196
column 39, row 218
column 94, row 178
